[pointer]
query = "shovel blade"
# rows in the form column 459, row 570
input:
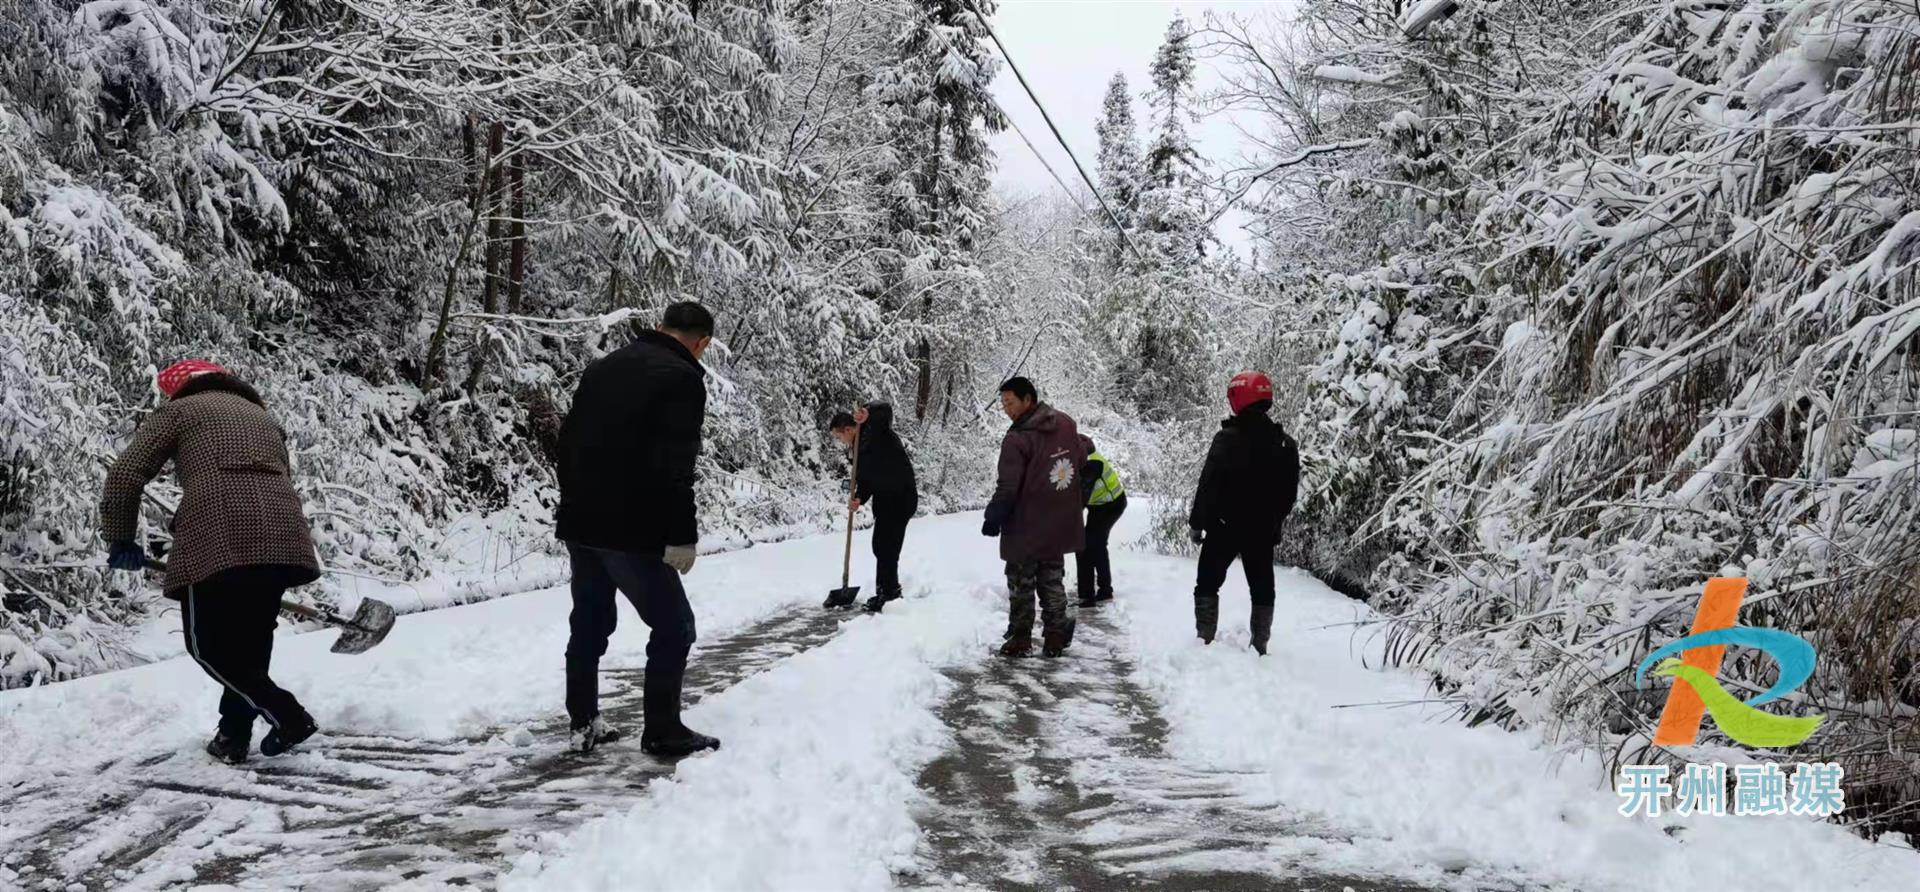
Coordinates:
column 368, row 627
column 842, row 597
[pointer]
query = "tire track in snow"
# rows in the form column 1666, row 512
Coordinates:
column 361, row 811
column 1059, row 779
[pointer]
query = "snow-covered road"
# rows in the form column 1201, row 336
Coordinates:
column 860, row 753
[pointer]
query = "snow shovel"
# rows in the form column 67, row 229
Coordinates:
column 844, row 596
column 368, row 626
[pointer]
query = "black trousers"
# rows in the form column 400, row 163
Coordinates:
column 891, row 514
column 229, row 622
column 1093, row 565
column 655, row 590
column 1256, row 559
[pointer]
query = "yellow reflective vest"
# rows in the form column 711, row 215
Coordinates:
column 1108, row 487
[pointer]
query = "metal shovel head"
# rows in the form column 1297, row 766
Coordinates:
column 368, row 627
column 842, row 597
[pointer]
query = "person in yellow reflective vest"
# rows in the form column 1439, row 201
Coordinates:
column 1106, row 501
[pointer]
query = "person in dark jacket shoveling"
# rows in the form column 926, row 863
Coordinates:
column 885, row 481
column 240, row 540
column 1247, row 488
column 1035, row 511
column 626, row 468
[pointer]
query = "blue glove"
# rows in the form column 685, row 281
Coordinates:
column 989, row 528
column 126, row 556
column 1197, row 534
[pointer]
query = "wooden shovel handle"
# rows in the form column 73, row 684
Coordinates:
column 853, row 486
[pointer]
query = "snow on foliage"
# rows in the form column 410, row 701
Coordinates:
column 411, row 224
column 1622, row 299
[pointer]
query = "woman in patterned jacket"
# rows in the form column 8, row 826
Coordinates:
column 239, row 541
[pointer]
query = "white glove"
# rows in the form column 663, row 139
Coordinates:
column 680, row 557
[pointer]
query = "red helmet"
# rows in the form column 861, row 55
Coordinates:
column 1248, row 388
column 175, row 376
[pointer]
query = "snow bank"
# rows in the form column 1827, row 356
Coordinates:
column 1429, row 799
column 813, row 785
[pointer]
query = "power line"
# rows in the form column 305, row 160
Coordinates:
column 1117, row 225
column 1043, row 163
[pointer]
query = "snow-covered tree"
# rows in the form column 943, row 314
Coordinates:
column 1621, row 300
column 1120, row 167
column 1155, row 312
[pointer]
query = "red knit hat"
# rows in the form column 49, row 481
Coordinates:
column 1248, row 388
column 170, row 381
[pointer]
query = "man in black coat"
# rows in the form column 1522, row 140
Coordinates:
column 626, row 468
column 885, row 481
column 1247, row 488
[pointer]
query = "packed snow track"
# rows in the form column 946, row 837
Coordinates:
column 361, row 812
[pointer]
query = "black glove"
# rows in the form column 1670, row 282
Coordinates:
column 126, row 556
column 989, row 528
column 1197, row 534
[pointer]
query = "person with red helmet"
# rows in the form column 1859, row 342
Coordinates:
column 1247, row 488
column 240, row 540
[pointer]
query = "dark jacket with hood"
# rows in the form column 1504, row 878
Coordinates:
column 237, row 508
column 885, row 469
column 628, row 446
column 1037, row 503
column 1250, row 479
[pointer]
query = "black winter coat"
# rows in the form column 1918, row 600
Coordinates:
column 1250, row 480
column 885, row 469
column 628, row 446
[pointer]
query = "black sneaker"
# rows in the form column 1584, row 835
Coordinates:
column 229, row 748
column 684, row 742
column 1087, row 603
column 1106, row 594
column 592, row 734
column 879, row 602
column 284, row 738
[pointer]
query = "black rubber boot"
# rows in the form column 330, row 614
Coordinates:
column 229, row 748
column 682, row 742
column 1057, row 639
column 1016, row 647
column 288, row 736
column 879, row 602
column 1262, row 625
column 1206, row 615
column 663, row 735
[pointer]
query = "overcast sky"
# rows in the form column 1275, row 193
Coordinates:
column 1068, row 49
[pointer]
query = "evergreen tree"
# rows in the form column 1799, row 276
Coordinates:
column 1120, row 166
column 943, row 109
column 1155, row 311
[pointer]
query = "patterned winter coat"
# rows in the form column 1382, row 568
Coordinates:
column 237, row 504
column 1037, row 501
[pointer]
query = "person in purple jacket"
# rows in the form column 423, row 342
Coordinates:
column 1035, row 511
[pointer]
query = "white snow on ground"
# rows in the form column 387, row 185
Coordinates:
column 812, row 785
column 822, row 750
column 441, row 674
column 1425, row 794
